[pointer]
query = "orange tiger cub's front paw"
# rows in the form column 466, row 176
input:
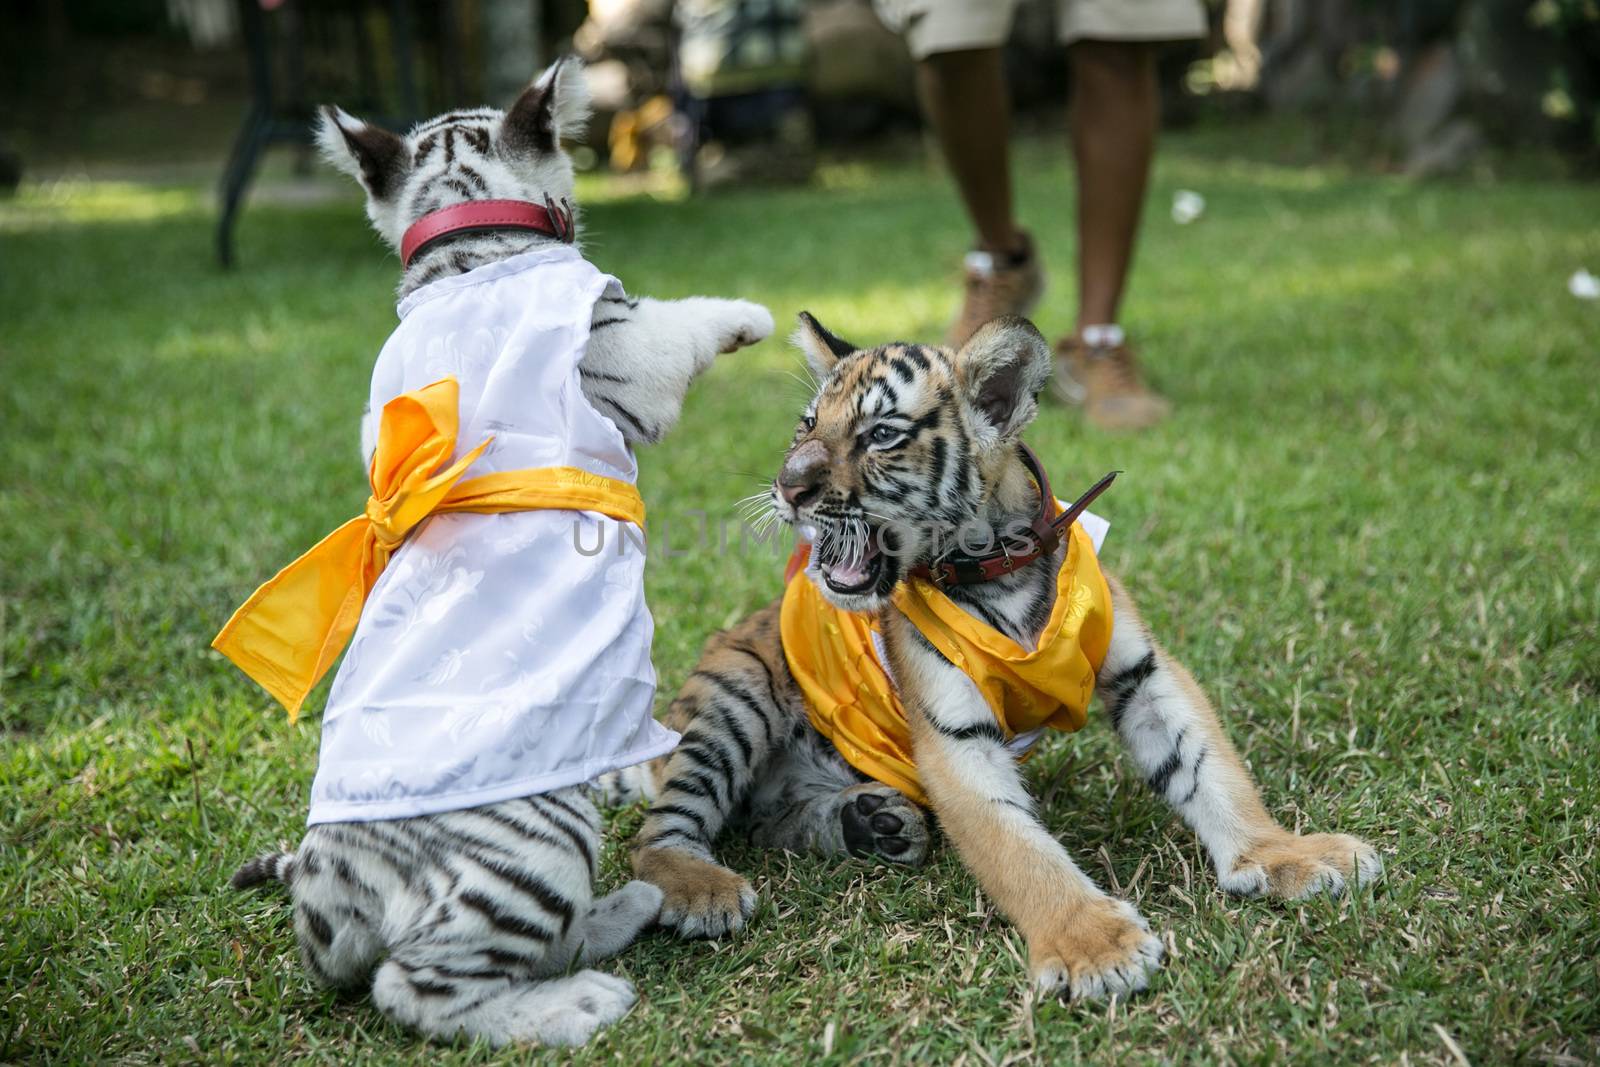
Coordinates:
column 699, row 898
column 1296, row 866
column 1100, row 948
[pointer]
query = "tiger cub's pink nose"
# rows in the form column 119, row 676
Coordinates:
column 801, row 478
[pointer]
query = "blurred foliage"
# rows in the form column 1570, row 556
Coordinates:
column 114, row 18
column 1574, row 93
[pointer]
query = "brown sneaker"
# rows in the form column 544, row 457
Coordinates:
column 996, row 287
column 1107, row 381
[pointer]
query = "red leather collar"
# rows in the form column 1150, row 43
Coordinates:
column 1043, row 534
column 551, row 219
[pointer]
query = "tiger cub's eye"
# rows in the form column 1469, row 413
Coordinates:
column 884, row 435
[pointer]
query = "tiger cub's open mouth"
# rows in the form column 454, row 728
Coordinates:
column 849, row 558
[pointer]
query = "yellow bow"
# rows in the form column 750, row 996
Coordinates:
column 290, row 631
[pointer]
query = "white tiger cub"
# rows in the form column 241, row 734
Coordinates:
column 468, row 908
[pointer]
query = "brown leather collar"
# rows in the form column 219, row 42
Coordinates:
column 1041, row 538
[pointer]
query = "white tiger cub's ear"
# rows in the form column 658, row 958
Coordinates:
column 370, row 154
column 1002, row 369
column 822, row 349
column 554, row 107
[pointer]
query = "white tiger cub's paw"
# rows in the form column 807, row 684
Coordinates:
column 741, row 324
column 567, row 1011
column 616, row 920
column 618, row 789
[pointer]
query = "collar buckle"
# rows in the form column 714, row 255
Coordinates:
column 1045, row 535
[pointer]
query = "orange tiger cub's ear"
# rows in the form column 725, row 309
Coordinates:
column 822, row 349
column 1002, row 369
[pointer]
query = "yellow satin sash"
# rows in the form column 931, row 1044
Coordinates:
column 852, row 702
column 290, row 631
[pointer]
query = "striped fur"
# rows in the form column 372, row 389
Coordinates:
column 469, row 917
column 750, row 757
column 470, row 922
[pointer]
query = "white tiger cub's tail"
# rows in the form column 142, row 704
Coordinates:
column 267, row 867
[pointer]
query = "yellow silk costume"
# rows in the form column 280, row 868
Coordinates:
column 851, row 697
column 293, row 627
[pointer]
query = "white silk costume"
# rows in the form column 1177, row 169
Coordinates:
column 498, row 655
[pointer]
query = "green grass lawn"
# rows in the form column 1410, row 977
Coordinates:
column 1370, row 529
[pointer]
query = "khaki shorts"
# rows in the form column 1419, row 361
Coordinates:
column 934, row 26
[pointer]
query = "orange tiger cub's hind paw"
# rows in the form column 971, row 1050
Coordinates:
column 879, row 822
column 699, row 898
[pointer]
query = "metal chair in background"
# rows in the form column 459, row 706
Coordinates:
column 363, row 53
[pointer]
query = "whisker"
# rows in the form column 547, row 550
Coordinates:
column 810, row 374
column 809, row 386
